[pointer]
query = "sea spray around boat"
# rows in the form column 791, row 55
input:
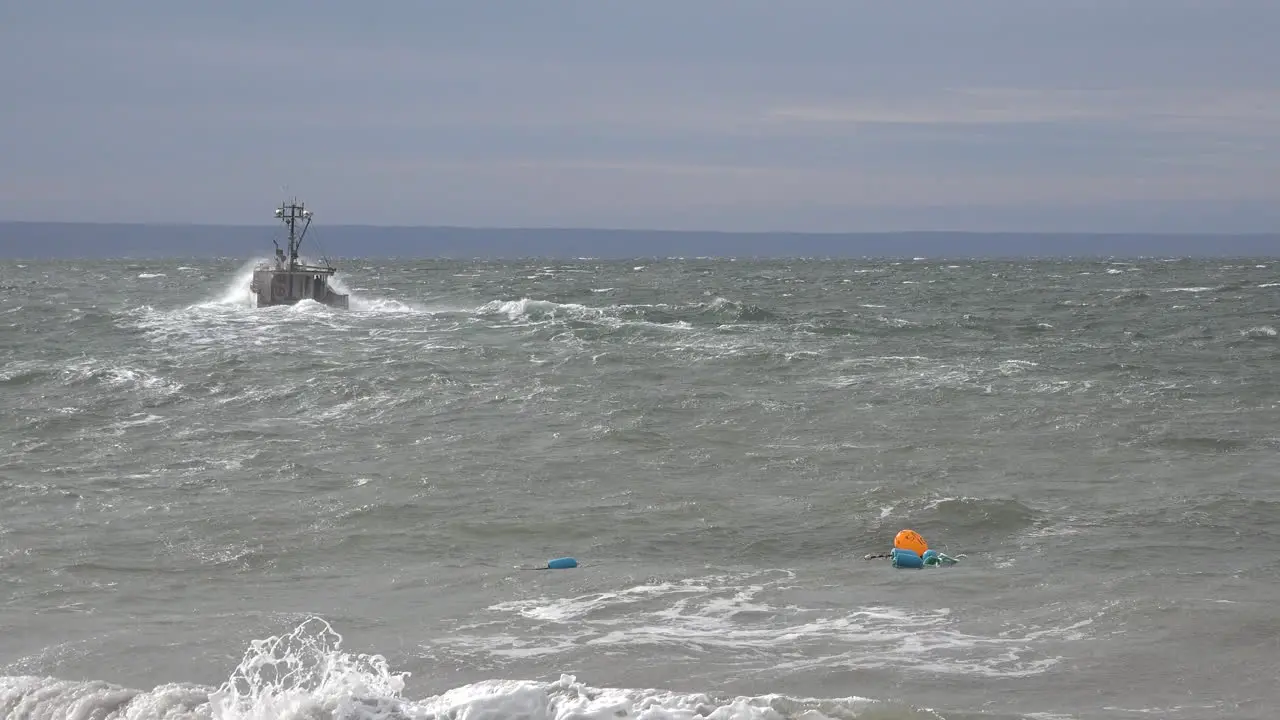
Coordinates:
column 238, row 293
column 306, row 675
column 287, row 280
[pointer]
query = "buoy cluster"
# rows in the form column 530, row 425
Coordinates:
column 911, row 551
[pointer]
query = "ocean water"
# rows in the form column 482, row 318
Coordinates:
column 209, row 510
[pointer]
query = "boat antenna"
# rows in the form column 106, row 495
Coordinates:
column 293, row 214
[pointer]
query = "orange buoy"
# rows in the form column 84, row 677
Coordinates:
column 910, row 540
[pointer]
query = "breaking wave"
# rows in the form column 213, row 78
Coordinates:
column 307, row 675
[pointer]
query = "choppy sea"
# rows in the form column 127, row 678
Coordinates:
column 210, row 510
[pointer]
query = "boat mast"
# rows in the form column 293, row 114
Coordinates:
column 292, row 214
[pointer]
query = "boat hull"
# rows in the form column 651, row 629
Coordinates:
column 290, row 287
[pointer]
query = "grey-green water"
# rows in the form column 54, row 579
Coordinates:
column 718, row 443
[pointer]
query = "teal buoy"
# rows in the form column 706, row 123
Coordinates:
column 903, row 558
column 562, row 563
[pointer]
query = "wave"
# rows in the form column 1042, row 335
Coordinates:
column 237, row 293
column 306, row 675
column 718, row 310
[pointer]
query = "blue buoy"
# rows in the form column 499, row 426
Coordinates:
column 903, row 558
column 930, row 557
column 562, row 563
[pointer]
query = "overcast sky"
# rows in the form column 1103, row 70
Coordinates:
column 687, row 114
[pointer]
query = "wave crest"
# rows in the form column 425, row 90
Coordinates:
column 305, row 675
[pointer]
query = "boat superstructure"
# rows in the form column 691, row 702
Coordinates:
column 288, row 280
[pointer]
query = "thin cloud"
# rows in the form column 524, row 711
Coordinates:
column 502, row 113
column 1189, row 108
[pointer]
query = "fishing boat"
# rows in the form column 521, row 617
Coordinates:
column 288, row 280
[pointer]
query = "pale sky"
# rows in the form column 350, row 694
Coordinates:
column 829, row 115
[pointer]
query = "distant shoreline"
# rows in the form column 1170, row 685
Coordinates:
column 51, row 240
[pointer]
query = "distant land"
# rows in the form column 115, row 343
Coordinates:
column 36, row 240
